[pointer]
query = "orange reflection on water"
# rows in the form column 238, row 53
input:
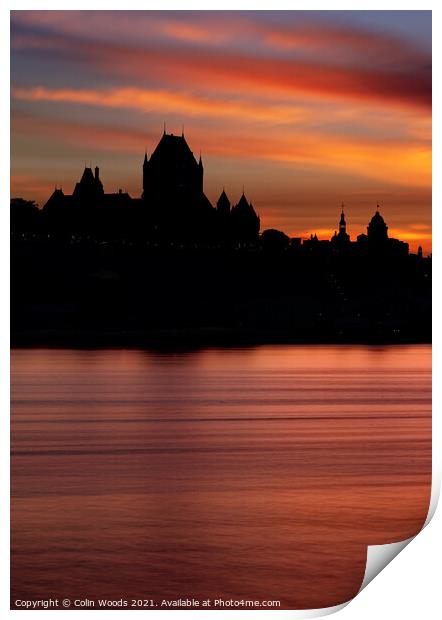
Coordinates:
column 257, row 473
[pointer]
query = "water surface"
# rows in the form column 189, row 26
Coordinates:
column 257, row 473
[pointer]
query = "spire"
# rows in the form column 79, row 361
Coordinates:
column 164, row 132
column 200, row 163
column 145, row 157
column 223, row 203
column 342, row 236
column 182, row 131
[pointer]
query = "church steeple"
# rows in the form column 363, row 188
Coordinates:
column 342, row 238
column 342, row 222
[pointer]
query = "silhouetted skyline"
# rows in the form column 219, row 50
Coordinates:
column 109, row 268
column 173, row 205
column 305, row 109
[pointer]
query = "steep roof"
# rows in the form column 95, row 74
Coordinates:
column 55, row 199
column 223, row 201
column 87, row 176
column 172, row 149
column 244, row 208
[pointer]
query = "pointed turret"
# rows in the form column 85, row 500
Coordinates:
column 223, row 203
column 243, row 205
column 245, row 221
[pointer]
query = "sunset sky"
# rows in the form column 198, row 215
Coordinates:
column 303, row 109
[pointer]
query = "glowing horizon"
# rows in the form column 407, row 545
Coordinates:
column 305, row 109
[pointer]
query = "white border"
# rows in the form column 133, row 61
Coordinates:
column 409, row 588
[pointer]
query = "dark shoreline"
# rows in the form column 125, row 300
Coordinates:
column 201, row 338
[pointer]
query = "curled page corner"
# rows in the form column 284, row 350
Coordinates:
column 435, row 494
column 379, row 556
column 324, row 611
column 314, row 613
column 282, row 613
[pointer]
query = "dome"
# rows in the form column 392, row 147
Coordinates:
column 377, row 219
column 377, row 230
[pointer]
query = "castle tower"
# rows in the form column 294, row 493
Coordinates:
column 172, row 173
column 245, row 222
column 223, row 204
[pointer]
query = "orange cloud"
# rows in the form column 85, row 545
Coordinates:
column 168, row 102
column 185, row 31
column 395, row 161
column 235, row 71
column 405, row 234
column 300, row 111
column 88, row 136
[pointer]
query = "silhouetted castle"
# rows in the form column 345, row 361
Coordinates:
column 174, row 208
column 172, row 204
column 105, row 268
